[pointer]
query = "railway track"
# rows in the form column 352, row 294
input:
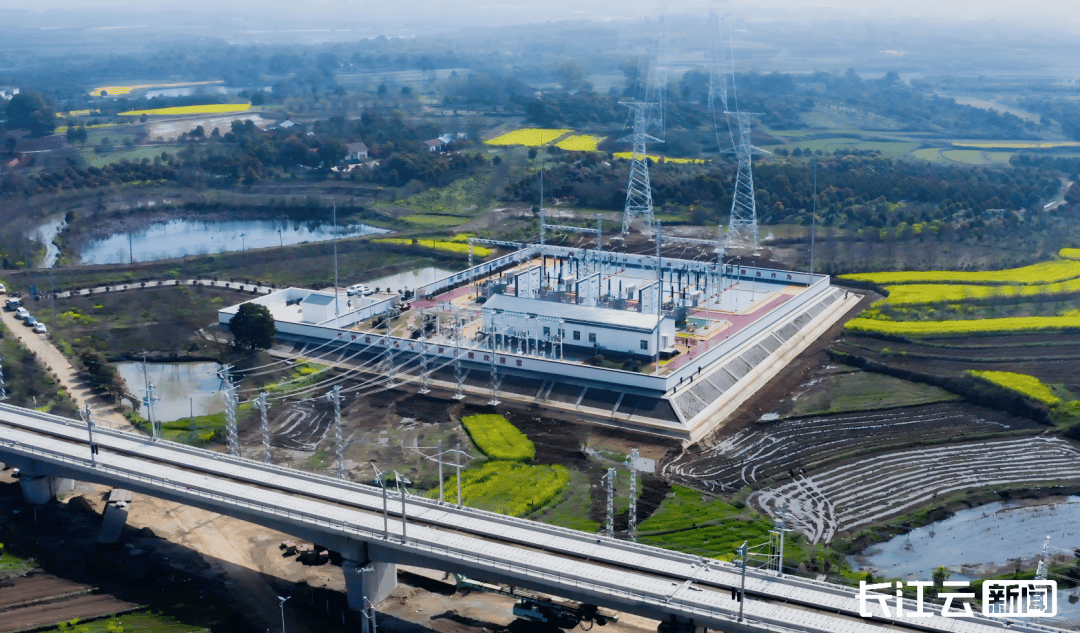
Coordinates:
column 682, row 572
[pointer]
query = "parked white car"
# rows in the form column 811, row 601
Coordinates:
column 40, row 328
column 358, row 290
column 22, row 313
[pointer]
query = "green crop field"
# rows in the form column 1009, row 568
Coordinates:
column 691, row 522
column 133, row 154
column 571, row 508
column 863, row 391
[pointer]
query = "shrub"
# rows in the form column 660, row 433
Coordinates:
column 497, row 438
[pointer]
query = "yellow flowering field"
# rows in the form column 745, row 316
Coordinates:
column 443, row 245
column 629, row 155
column 530, row 137
column 214, row 108
column 1030, row 386
column 506, row 487
column 1069, row 253
column 580, row 143
column 915, row 294
column 1041, row 273
column 113, row 91
column 953, row 328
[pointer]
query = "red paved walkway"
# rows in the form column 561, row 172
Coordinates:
column 738, row 323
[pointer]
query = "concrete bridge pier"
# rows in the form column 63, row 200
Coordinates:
column 371, row 581
column 40, row 489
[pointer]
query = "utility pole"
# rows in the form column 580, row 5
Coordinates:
column 264, row 425
column 402, row 482
column 3, row 392
column 131, row 252
column 631, row 528
column 191, row 417
column 813, row 221
column 659, row 291
column 386, row 513
column 424, row 389
column 442, row 497
column 339, row 441
column 90, row 434
column 609, row 525
column 457, row 465
column 149, row 399
column 742, row 586
column 459, row 370
column 337, row 312
column 243, row 244
column 780, row 530
column 230, row 411
column 369, row 608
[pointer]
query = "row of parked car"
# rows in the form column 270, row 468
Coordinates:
column 15, row 305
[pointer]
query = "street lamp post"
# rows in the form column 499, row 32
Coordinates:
column 282, row 603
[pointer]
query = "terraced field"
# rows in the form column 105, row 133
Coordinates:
column 865, row 491
column 777, row 450
column 1052, row 358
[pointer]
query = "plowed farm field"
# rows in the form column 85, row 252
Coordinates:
column 780, row 450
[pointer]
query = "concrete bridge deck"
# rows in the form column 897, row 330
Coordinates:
column 346, row 516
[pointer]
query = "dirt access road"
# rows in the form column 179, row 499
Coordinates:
column 61, row 369
column 212, row 535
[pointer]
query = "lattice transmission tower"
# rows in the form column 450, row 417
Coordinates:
column 742, row 223
column 648, row 114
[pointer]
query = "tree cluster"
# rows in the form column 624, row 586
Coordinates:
column 860, row 190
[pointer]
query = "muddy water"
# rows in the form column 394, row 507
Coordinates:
column 181, row 388
column 178, row 238
column 978, row 541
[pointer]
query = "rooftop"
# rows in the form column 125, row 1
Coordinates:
column 621, row 319
column 319, row 299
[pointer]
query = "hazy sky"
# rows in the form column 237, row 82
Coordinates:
column 1052, row 12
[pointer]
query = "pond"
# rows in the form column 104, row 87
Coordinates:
column 181, row 388
column 187, row 91
column 977, row 541
column 410, row 279
column 178, row 238
column 45, row 234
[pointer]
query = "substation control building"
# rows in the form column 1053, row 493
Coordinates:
column 659, row 345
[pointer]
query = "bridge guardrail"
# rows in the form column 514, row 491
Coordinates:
column 375, row 534
column 349, row 528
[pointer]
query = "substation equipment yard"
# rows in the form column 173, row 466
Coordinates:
column 654, row 344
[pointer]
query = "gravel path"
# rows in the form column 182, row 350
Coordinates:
column 64, row 373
